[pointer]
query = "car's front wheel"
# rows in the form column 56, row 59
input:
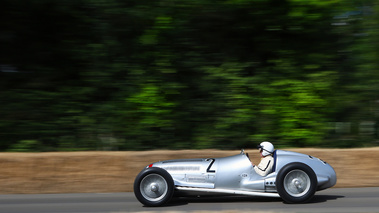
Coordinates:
column 153, row 186
column 296, row 183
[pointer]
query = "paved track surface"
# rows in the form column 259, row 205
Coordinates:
column 330, row 200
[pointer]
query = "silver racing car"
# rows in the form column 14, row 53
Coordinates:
column 295, row 178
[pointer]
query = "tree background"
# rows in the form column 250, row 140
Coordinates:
column 188, row 74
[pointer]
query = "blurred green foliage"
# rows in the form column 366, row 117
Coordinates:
column 179, row 74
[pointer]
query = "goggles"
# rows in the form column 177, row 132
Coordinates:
column 260, row 148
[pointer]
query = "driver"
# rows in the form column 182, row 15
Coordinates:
column 265, row 166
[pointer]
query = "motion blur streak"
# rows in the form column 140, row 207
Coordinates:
column 81, row 75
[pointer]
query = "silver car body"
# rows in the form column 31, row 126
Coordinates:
column 236, row 175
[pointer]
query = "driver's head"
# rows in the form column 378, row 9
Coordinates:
column 266, row 148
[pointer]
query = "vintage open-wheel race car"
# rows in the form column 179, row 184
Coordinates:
column 295, row 178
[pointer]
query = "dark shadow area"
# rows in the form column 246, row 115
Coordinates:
column 181, row 201
column 324, row 198
column 231, row 199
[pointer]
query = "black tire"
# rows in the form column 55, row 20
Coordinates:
column 296, row 183
column 153, row 186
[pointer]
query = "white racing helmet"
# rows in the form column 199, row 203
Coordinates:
column 266, row 148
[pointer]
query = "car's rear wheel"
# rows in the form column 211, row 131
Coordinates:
column 296, row 183
column 153, row 186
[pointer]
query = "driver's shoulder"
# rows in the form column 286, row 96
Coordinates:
column 268, row 158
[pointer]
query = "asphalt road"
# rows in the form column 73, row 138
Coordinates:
column 330, row 200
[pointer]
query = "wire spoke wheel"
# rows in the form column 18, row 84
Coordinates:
column 153, row 187
column 297, row 183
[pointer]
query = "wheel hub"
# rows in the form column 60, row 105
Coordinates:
column 154, row 187
column 297, row 183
